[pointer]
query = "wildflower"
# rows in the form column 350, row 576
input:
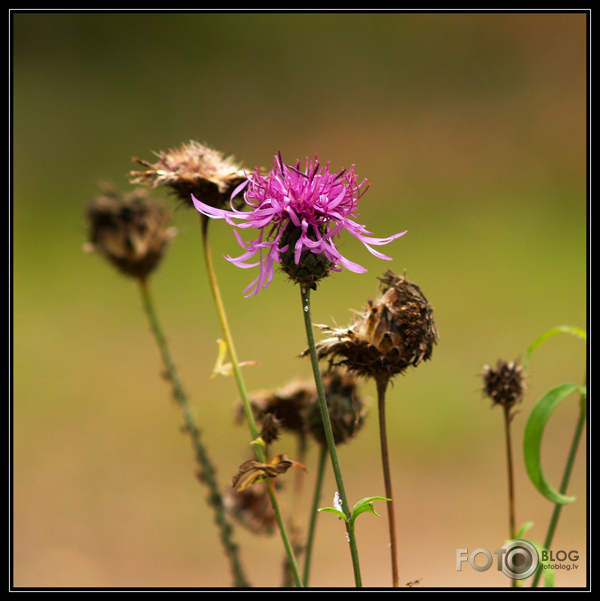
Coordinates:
column 504, row 383
column 193, row 168
column 298, row 215
column 130, row 230
column 393, row 333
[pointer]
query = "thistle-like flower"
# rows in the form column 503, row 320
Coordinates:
column 394, row 332
column 193, row 168
column 298, row 214
column 130, row 230
column 504, row 383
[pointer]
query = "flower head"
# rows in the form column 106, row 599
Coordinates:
column 504, row 383
column 298, row 214
column 394, row 332
column 130, row 230
column 192, row 168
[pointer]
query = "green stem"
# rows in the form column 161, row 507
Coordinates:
column 207, row 473
column 305, row 294
column 511, row 477
column 382, row 384
column 260, row 455
column 565, row 482
column 314, row 511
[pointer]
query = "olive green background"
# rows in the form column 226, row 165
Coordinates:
column 471, row 130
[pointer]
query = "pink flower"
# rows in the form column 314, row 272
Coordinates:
column 317, row 204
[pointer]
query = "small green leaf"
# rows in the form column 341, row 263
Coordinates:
column 366, row 504
column 532, row 441
column 523, row 529
column 337, row 512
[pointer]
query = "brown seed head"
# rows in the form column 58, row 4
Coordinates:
column 345, row 406
column 394, row 332
column 252, row 508
column 192, row 169
column 504, row 383
column 130, row 230
column 288, row 405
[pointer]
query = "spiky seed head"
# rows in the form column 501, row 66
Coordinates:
column 394, row 332
column 503, row 384
column 193, row 169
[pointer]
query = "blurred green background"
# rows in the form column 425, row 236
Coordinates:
column 470, row 128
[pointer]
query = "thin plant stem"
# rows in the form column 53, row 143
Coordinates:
column 511, row 477
column 258, row 449
column 305, row 295
column 382, row 384
column 323, row 452
column 207, row 473
column 564, row 483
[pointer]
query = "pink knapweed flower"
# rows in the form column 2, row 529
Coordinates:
column 296, row 212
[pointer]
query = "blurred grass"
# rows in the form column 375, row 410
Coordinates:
column 471, row 129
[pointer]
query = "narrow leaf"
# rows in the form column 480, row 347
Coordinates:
column 532, row 441
column 578, row 332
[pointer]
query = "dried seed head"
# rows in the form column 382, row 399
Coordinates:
column 193, row 169
column 252, row 508
column 288, row 405
column 504, row 383
column 270, row 428
column 345, row 406
column 130, row 230
column 394, row 332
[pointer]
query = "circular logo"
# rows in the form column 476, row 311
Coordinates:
column 520, row 559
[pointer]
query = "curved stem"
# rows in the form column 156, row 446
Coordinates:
column 260, row 455
column 565, row 481
column 305, row 293
column 313, row 512
column 382, row 384
column 207, row 473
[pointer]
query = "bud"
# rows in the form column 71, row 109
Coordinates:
column 504, row 384
column 130, row 230
column 394, row 332
column 344, row 405
column 193, row 169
